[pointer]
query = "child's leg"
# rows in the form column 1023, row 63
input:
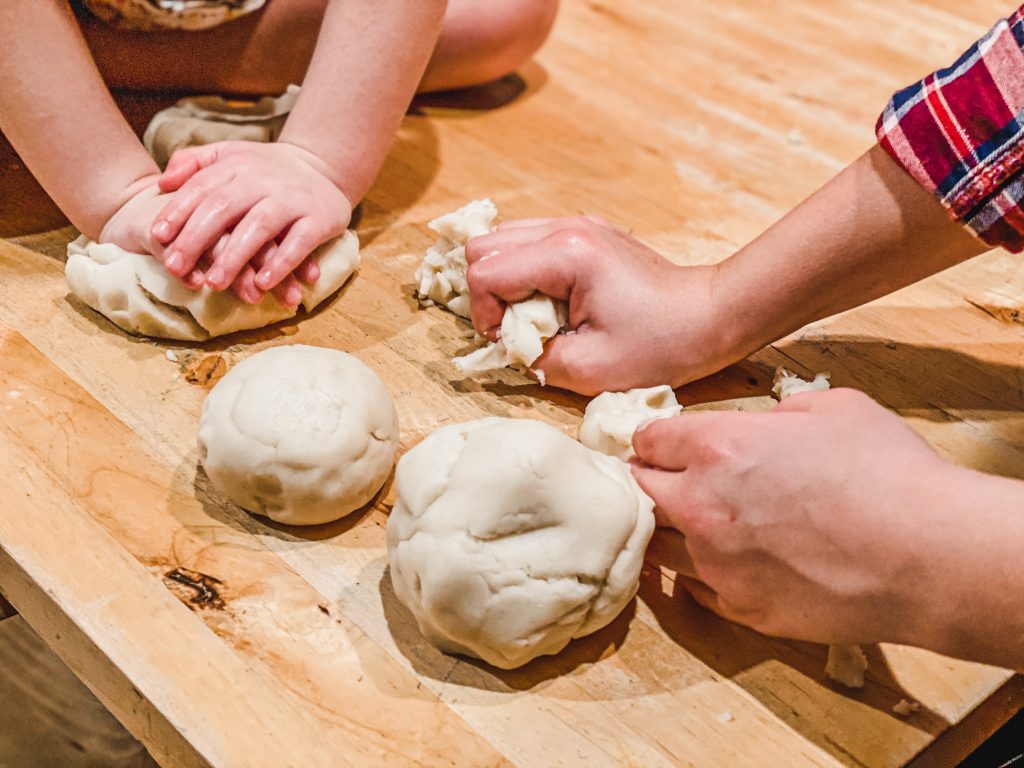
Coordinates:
column 265, row 51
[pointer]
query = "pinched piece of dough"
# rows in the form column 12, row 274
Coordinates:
column 525, row 327
column 846, row 665
column 301, row 434
column 442, row 275
column 200, row 120
column 611, row 418
column 508, row 539
column 787, row 384
column 136, row 293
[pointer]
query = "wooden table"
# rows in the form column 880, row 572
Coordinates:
column 218, row 638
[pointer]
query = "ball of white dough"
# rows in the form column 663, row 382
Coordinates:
column 509, row 539
column 301, row 434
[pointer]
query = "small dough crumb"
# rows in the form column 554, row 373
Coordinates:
column 525, row 328
column 846, row 665
column 905, row 707
column 170, row 355
column 611, row 418
column 442, row 275
column 787, row 384
column 726, row 717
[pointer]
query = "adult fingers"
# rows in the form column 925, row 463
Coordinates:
column 185, row 163
column 258, row 228
column 677, row 442
column 503, row 240
column 668, row 550
column 304, row 237
column 514, row 276
column 574, row 361
column 666, row 490
column 701, row 593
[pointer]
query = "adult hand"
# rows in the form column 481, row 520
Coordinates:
column 813, row 521
column 635, row 319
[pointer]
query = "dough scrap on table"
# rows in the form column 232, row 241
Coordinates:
column 846, row 664
column 526, row 327
column 508, row 539
column 787, row 383
column 611, row 418
column 301, row 434
column 135, row 292
column 442, row 275
column 200, row 120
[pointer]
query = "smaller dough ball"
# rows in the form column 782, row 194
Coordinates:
column 611, row 418
column 303, row 435
column 846, row 664
column 509, row 539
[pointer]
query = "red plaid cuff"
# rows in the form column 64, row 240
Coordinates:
column 960, row 133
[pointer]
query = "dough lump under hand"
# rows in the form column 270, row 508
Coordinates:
column 526, row 327
column 611, row 418
column 442, row 275
column 135, row 292
column 787, row 384
column 200, row 120
column 508, row 539
column 301, row 434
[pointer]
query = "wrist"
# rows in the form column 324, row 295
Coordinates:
column 350, row 178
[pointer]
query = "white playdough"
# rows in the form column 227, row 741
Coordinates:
column 135, row 292
column 303, row 435
column 508, row 539
column 442, row 275
column 787, row 383
column 525, row 327
column 611, row 418
column 208, row 119
column 846, row 663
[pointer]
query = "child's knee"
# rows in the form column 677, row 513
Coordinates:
column 517, row 33
column 487, row 39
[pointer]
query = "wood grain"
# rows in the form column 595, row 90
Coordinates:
column 222, row 639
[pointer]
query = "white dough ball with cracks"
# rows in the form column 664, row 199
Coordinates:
column 303, row 435
column 509, row 539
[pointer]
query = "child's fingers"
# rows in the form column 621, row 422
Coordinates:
column 309, row 270
column 304, row 237
column 258, row 228
column 288, row 292
column 245, row 288
column 212, row 219
column 169, row 222
column 184, row 164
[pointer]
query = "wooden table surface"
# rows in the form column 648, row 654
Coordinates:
column 218, row 638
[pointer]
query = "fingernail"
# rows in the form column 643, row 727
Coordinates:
column 173, row 260
column 263, row 279
column 293, row 296
column 162, row 230
column 215, row 277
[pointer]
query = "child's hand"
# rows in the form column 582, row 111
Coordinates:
column 637, row 319
column 275, row 201
column 813, row 521
column 129, row 227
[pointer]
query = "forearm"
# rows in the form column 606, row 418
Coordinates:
column 369, row 58
column 968, row 582
column 869, row 231
column 57, row 113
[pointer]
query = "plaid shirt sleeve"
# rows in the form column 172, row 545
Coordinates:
column 960, row 133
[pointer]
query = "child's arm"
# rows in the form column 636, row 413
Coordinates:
column 57, row 113
column 369, row 58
